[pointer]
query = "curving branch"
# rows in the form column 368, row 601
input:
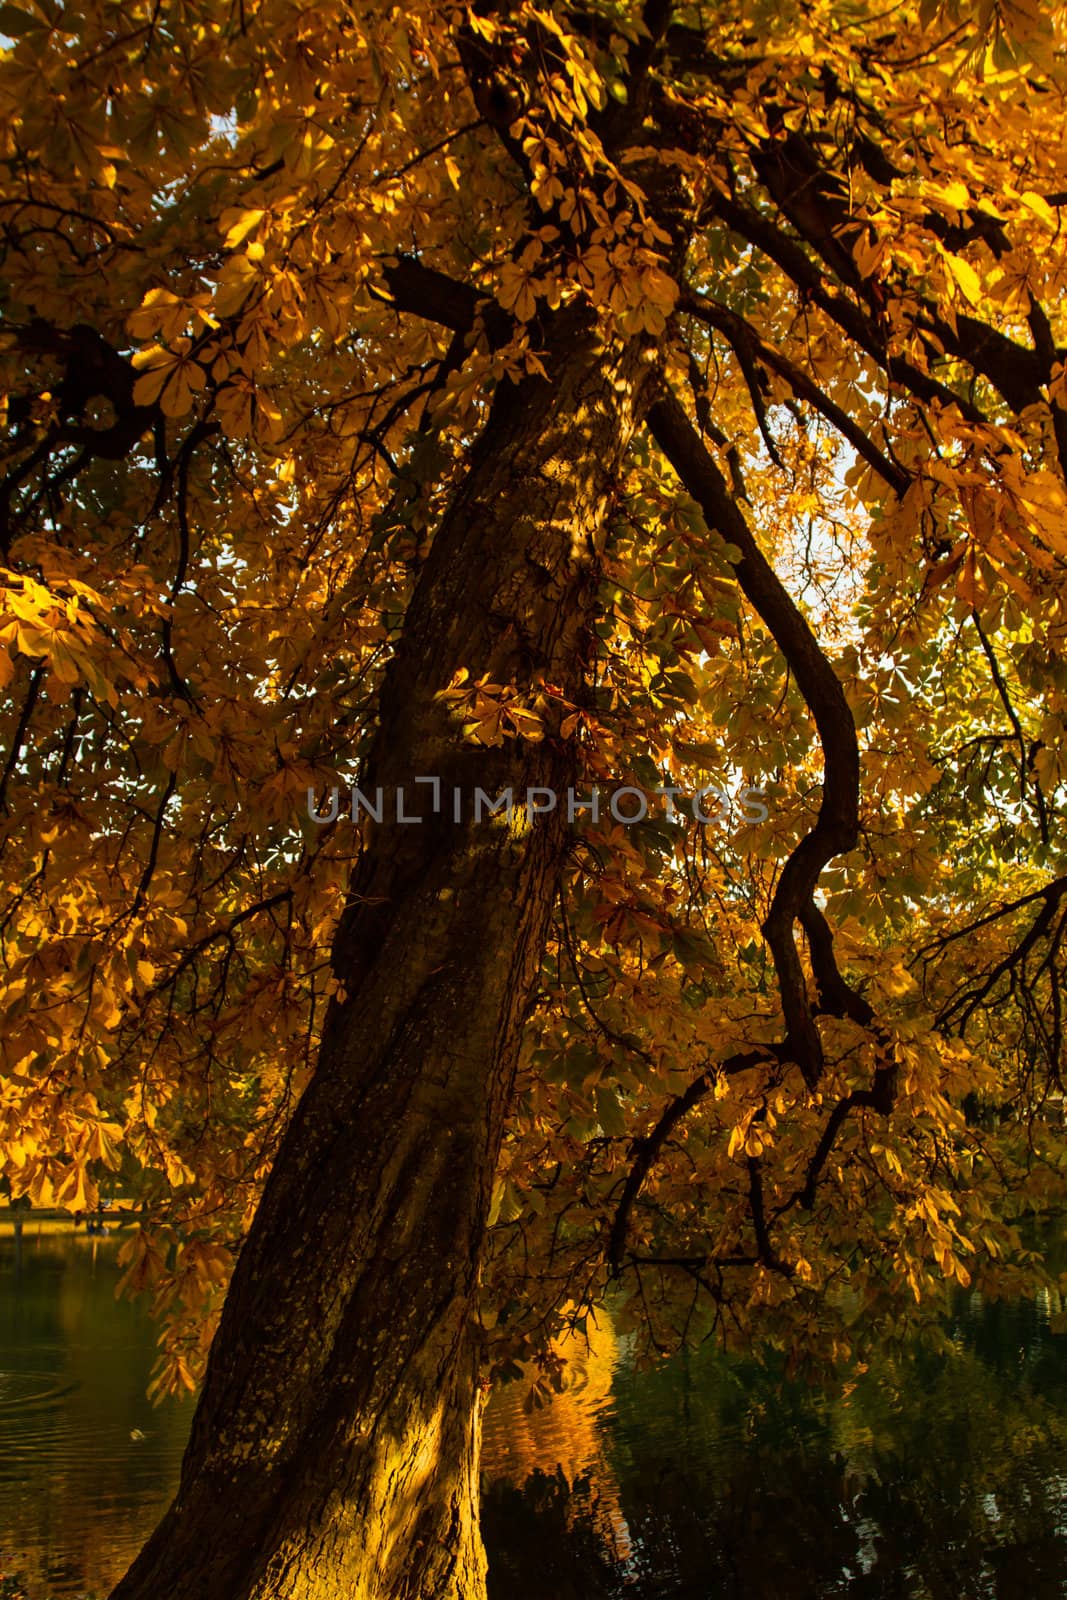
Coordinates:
column 835, row 831
column 425, row 292
column 646, row 1151
column 836, row 828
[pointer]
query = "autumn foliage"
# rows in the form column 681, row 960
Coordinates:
column 265, row 267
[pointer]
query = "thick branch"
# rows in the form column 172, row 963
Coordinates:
column 425, row 292
column 837, row 826
column 808, row 277
column 835, row 831
column 815, row 200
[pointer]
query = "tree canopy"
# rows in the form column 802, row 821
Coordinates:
column 271, row 270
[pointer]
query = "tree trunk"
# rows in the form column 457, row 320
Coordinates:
column 335, row 1447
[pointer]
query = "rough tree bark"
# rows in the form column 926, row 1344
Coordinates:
column 334, row 1449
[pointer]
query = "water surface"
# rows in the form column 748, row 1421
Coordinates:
column 935, row 1477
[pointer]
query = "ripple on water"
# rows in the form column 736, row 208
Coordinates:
column 37, row 1424
column 29, row 1391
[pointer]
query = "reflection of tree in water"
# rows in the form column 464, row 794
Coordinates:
column 964, row 1452
column 520, row 1438
column 938, row 1476
column 549, row 1465
column 548, row 1540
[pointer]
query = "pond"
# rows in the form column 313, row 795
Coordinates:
column 935, row 1477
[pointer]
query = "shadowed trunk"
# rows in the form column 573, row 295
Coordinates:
column 335, row 1447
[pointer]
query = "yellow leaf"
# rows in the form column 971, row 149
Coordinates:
column 241, row 224
column 236, row 281
column 964, row 277
column 160, row 313
column 1040, row 208
column 75, row 1190
column 953, row 194
column 103, row 1144
column 143, row 1261
column 185, row 381
column 146, row 390
column 63, row 664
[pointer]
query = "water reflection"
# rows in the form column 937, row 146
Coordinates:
column 936, row 1477
column 939, row 1476
column 78, row 1488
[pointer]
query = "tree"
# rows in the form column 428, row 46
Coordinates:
column 524, row 399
